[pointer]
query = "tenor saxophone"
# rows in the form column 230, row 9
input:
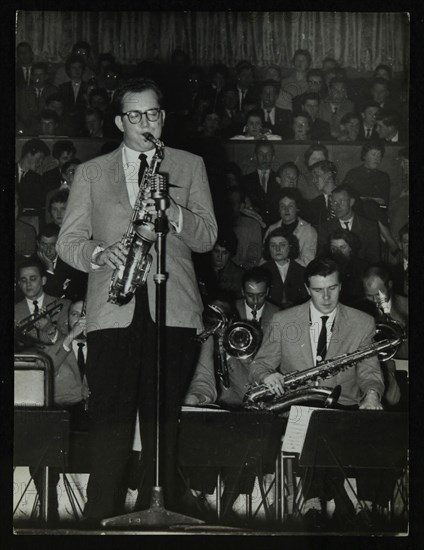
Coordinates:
column 140, row 235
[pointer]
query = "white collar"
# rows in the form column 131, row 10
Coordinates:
column 132, row 156
column 316, row 315
column 40, row 302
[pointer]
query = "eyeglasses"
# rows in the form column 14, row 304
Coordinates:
column 135, row 117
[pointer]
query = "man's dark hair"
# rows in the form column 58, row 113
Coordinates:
column 98, row 92
column 404, row 230
column 74, row 58
column 370, row 103
column 256, row 275
column 262, row 143
column 49, row 114
column 320, row 266
column 59, row 197
column 23, row 45
column 348, row 117
column 377, row 145
column 350, row 238
column 311, row 149
column 294, row 247
column 34, row 146
column 380, row 81
column 93, row 111
column 286, row 165
column 82, row 44
column 347, row 189
column 228, row 240
column 385, row 68
column 242, row 65
column 309, row 95
column 105, row 57
column 237, row 189
column 257, row 113
column 291, row 193
column 61, row 146
column 33, row 261
column 337, row 80
column 379, row 271
column 136, row 85
column 270, row 82
column 388, row 118
column 41, row 65
column 219, row 68
column 56, row 96
column 68, row 163
column 48, row 230
column 303, row 114
column 336, row 64
column 325, row 166
column 306, row 53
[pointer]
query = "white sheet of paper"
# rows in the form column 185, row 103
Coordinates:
column 297, row 427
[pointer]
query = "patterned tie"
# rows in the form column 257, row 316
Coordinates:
column 254, row 314
column 143, row 166
column 330, row 210
column 36, row 312
column 322, row 340
column 80, row 359
column 263, row 181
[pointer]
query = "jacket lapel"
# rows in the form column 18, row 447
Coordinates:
column 340, row 332
column 305, row 335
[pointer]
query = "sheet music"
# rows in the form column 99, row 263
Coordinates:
column 205, row 408
column 297, row 427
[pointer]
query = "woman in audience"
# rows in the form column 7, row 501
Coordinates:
column 313, row 154
column 350, row 125
column 280, row 251
column 254, row 128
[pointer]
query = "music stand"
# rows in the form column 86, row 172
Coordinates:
column 355, row 440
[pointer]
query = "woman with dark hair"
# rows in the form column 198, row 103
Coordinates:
column 280, row 251
column 313, row 154
column 343, row 247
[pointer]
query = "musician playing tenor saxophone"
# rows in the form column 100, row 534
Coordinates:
column 121, row 336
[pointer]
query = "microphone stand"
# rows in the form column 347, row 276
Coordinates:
column 156, row 515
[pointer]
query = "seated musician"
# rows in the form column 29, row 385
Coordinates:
column 31, row 277
column 300, row 337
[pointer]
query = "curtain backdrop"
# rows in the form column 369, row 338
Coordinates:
column 358, row 40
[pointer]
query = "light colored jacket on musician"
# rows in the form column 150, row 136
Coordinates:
column 98, row 196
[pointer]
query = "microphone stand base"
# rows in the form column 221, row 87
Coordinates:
column 156, row 516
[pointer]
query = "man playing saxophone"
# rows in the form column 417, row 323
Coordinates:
column 322, row 328
column 121, row 357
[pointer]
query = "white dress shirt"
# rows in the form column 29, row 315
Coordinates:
column 315, row 328
column 349, row 222
column 261, row 174
column 30, row 303
column 249, row 310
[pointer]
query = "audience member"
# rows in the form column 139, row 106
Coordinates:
column 24, row 61
column 290, row 223
column 288, row 175
column 301, row 126
column 320, row 209
column 281, row 249
column 83, row 50
column 74, row 89
column 28, row 180
column 296, row 84
column 320, row 129
column 104, row 61
column 335, row 105
column 313, row 154
column 62, row 151
column 48, row 123
column 218, row 78
column 380, row 93
column 246, row 91
column 368, row 129
column 261, row 186
column 343, row 200
column 67, row 172
column 388, row 126
column 57, row 206
column 255, row 129
column 350, row 124
column 25, row 235
column 343, row 247
column 67, row 125
column 231, row 116
column 276, row 119
column 93, row 123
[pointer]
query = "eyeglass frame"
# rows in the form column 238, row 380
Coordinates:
column 141, row 113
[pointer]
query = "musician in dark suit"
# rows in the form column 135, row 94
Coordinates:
column 322, row 328
column 280, row 251
column 260, row 186
column 367, row 230
column 98, row 214
column 61, row 278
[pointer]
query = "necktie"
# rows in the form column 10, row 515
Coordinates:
column 368, row 133
column 263, row 181
column 80, row 359
column 346, row 224
column 143, row 166
column 322, row 340
column 26, row 69
column 330, row 210
column 36, row 312
column 267, row 117
column 254, row 315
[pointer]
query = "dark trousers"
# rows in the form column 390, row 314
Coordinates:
column 121, row 366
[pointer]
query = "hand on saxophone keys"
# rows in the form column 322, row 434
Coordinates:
column 275, row 383
column 113, row 256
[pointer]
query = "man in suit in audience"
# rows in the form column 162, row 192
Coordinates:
column 28, row 181
column 62, row 151
column 368, row 129
column 367, row 230
column 335, row 106
column 320, row 129
column 245, row 88
column 74, row 91
column 388, row 126
column 61, row 278
column 320, row 209
column 232, row 119
column 261, row 186
column 24, row 60
column 276, row 119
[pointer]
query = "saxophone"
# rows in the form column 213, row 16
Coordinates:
column 140, row 234
column 389, row 336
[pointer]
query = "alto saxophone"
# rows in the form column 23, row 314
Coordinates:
column 140, row 234
column 297, row 390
